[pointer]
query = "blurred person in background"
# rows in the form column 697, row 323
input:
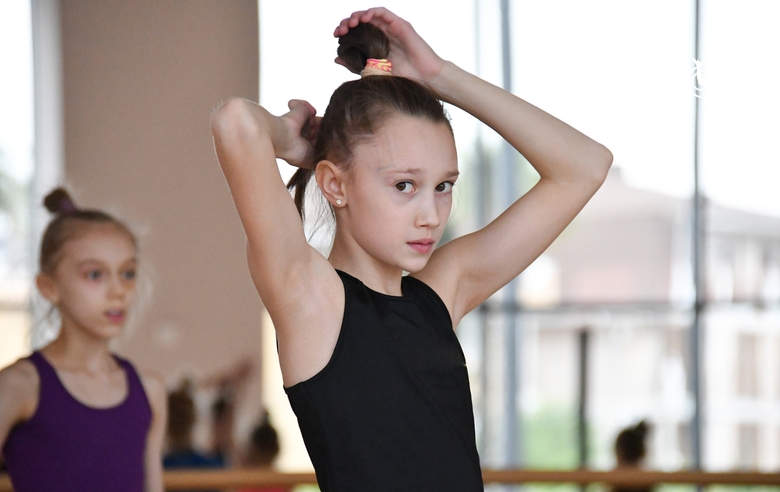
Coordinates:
column 75, row 416
column 262, row 450
column 630, row 452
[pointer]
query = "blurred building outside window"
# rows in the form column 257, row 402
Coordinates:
column 747, row 365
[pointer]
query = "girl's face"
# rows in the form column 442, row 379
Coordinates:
column 93, row 284
column 399, row 191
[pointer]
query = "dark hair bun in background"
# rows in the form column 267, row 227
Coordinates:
column 362, row 42
column 59, row 202
column 641, row 429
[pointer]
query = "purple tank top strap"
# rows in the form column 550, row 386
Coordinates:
column 135, row 387
column 41, row 364
column 51, row 390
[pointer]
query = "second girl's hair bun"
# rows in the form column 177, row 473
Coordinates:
column 59, row 202
column 362, row 42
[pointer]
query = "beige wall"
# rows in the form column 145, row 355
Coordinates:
column 140, row 80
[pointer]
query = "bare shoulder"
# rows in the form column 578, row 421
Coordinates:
column 19, row 386
column 443, row 275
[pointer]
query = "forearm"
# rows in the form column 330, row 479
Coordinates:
column 556, row 150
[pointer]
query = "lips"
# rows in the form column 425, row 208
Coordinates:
column 422, row 246
column 116, row 315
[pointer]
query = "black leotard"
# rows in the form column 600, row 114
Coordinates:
column 391, row 411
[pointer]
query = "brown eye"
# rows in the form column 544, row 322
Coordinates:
column 444, row 187
column 404, row 187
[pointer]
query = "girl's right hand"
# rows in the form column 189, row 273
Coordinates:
column 411, row 56
column 297, row 133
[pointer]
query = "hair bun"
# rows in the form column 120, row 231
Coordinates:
column 362, row 42
column 641, row 429
column 59, row 202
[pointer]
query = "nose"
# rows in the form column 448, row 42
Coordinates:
column 428, row 214
column 117, row 288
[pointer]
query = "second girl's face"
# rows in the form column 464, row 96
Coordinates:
column 399, row 191
column 94, row 281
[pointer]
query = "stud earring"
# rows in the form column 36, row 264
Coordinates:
column 338, row 202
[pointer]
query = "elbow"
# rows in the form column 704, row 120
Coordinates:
column 227, row 119
column 601, row 162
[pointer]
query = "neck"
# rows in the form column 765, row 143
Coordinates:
column 348, row 257
column 73, row 349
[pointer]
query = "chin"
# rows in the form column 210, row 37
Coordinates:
column 108, row 333
column 415, row 266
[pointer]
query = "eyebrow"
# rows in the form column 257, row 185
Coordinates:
column 406, row 170
column 99, row 262
column 417, row 171
column 88, row 261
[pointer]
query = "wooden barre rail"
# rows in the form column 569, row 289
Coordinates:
column 210, row 479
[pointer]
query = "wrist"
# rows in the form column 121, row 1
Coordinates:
column 443, row 82
column 460, row 88
column 279, row 132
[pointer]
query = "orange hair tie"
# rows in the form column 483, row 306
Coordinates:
column 376, row 66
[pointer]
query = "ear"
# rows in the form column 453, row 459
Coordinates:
column 48, row 288
column 330, row 179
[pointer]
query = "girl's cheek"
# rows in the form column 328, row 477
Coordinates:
column 445, row 201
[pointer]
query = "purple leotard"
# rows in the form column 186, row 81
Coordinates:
column 68, row 446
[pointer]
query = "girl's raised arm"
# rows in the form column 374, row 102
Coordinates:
column 296, row 283
column 571, row 166
column 248, row 140
column 466, row 271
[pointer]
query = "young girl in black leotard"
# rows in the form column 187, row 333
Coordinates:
column 369, row 359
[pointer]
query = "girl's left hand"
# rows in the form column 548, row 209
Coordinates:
column 410, row 54
column 299, row 127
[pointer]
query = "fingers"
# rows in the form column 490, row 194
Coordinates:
column 301, row 106
column 297, row 133
column 340, row 61
column 302, row 119
column 312, row 130
column 379, row 16
column 350, row 22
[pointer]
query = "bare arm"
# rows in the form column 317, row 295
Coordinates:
column 298, row 286
column 248, row 140
column 19, row 385
column 155, row 393
column 571, row 167
column 466, row 271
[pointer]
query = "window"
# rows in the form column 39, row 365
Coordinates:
column 624, row 267
column 747, row 365
column 748, row 446
column 16, row 177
